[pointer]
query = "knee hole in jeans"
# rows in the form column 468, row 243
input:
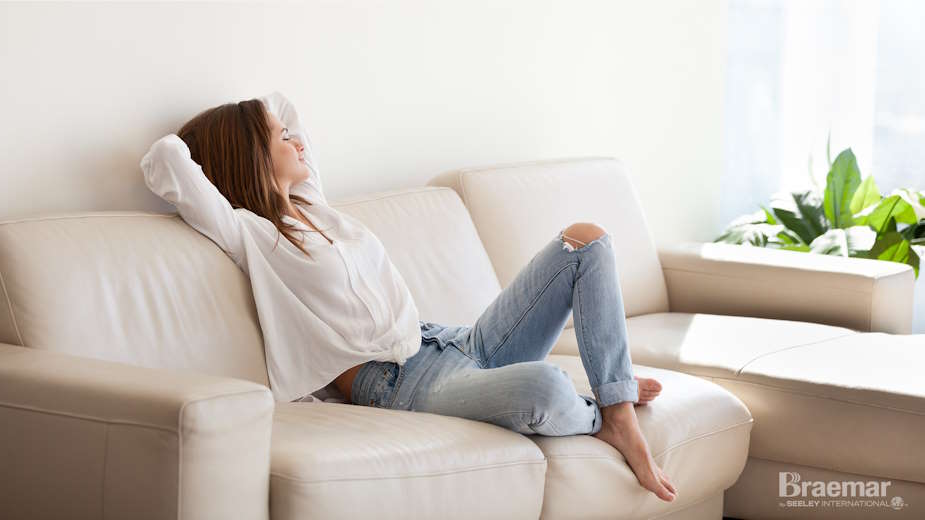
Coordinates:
column 580, row 234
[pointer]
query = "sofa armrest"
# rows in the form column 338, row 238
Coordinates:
column 717, row 278
column 86, row 438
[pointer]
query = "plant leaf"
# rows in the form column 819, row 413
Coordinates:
column 914, row 231
column 890, row 246
column 855, row 241
column 787, row 237
column 866, row 195
column 758, row 217
column 891, row 207
column 800, row 212
column 842, row 181
column 810, row 206
column 917, row 253
column 750, row 234
column 863, row 216
column 914, row 259
column 769, row 217
column 911, row 198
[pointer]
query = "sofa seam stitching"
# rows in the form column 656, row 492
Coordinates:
column 792, row 391
column 766, row 354
column 103, row 480
column 82, row 417
column 748, row 278
column 91, row 216
column 702, row 436
column 521, row 164
column 353, row 202
column 180, row 462
column 420, row 475
column 461, row 179
column 9, row 304
column 85, row 417
column 825, row 468
column 666, row 450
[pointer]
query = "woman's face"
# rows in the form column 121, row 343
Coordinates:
column 286, row 152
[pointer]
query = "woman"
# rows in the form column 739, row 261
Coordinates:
column 335, row 312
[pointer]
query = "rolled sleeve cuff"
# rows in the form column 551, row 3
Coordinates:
column 617, row 392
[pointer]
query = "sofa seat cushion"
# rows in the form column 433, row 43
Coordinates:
column 697, row 431
column 334, row 460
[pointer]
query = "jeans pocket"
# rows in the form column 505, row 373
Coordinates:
column 384, row 387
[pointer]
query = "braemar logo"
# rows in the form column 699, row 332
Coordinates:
column 835, row 493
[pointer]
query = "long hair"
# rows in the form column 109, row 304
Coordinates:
column 232, row 144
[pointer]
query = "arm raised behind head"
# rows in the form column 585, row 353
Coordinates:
column 171, row 173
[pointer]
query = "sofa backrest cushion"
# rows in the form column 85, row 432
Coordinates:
column 519, row 207
column 147, row 289
column 432, row 241
column 139, row 288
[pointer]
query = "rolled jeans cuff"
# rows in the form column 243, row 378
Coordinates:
column 617, row 392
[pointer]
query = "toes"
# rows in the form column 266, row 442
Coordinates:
column 663, row 493
column 648, row 385
column 655, row 485
column 668, row 485
column 666, row 481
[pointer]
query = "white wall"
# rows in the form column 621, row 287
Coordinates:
column 391, row 92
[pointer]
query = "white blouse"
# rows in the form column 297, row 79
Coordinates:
column 320, row 316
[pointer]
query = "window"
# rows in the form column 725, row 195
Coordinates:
column 797, row 71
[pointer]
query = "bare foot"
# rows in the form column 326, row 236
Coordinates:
column 648, row 390
column 621, row 430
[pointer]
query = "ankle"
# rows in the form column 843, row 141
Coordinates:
column 618, row 414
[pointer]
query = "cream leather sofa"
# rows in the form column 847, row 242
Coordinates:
column 133, row 383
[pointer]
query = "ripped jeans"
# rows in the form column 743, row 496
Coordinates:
column 495, row 370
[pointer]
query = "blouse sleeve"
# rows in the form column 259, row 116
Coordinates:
column 171, row 173
column 284, row 110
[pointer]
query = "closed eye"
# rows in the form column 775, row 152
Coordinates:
column 285, row 133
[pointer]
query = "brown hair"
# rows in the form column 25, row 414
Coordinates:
column 232, row 144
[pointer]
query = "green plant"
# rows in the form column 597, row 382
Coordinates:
column 850, row 218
